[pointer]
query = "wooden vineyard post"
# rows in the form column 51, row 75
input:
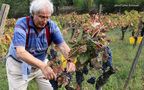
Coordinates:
column 100, row 8
column 3, row 15
column 135, row 61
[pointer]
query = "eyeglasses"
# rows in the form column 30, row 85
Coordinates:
column 43, row 17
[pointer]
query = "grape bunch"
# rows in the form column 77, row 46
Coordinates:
column 92, row 80
column 79, row 77
column 85, row 70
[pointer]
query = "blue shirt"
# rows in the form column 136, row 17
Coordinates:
column 37, row 44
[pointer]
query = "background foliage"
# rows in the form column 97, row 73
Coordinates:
column 21, row 8
column 18, row 8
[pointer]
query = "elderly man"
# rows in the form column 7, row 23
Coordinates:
column 28, row 50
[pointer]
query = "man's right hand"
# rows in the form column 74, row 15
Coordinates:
column 48, row 72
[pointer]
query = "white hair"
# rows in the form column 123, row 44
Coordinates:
column 37, row 5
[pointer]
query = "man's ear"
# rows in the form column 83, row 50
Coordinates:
column 32, row 13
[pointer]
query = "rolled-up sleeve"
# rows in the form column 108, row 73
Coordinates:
column 57, row 36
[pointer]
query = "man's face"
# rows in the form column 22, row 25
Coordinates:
column 40, row 19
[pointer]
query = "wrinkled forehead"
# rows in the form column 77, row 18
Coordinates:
column 44, row 11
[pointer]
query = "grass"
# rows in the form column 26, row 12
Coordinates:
column 123, row 56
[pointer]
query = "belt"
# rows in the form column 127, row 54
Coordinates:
column 34, row 68
column 15, row 59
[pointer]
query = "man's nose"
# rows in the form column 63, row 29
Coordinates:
column 44, row 20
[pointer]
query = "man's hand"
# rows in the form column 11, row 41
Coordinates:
column 48, row 72
column 70, row 67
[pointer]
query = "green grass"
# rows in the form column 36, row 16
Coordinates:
column 123, row 55
column 3, row 78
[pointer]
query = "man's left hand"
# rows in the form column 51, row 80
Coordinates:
column 70, row 67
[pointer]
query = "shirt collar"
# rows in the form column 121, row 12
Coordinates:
column 31, row 23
